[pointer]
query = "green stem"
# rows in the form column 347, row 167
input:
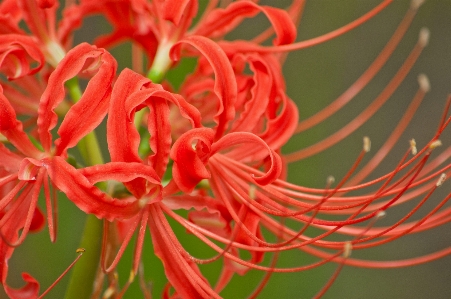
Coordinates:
column 84, row 272
column 161, row 63
column 83, row 275
column 74, row 89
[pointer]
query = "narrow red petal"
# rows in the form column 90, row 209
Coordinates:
column 123, row 138
column 85, row 195
column 181, row 272
column 189, row 163
column 12, row 129
column 89, row 111
column 17, row 53
column 125, row 172
column 130, row 93
column 29, row 291
column 261, row 91
column 225, row 82
column 222, row 21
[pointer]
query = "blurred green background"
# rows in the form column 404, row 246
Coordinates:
column 315, row 77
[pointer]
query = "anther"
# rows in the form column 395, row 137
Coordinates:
column 413, row 147
column 108, row 292
column 347, row 249
column 441, row 180
column 434, row 144
column 330, row 180
column 415, row 4
column 423, row 38
column 252, row 190
column 131, row 278
column 380, row 214
column 366, row 144
column 423, row 81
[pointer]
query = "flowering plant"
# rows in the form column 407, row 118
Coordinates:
column 198, row 164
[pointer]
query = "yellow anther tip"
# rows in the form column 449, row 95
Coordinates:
column 441, row 180
column 366, row 144
column 424, row 83
column 423, row 38
column 435, row 144
column 415, row 4
column 413, row 147
column 347, row 249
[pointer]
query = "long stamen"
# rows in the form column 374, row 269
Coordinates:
column 370, row 110
column 80, row 252
column 366, row 77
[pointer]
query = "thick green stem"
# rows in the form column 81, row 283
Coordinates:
column 74, row 89
column 161, row 63
column 84, row 272
column 83, row 275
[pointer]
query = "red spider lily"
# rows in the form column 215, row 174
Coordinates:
column 30, row 167
column 131, row 92
column 231, row 180
column 46, row 42
column 18, row 53
column 128, row 93
column 158, row 25
column 215, row 147
column 40, row 18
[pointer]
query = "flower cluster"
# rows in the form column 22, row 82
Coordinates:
column 206, row 155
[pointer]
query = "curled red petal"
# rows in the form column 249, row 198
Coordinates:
column 123, row 138
column 160, row 132
column 281, row 128
column 225, row 83
column 29, row 291
column 12, row 129
column 29, row 169
column 159, row 123
column 122, row 135
column 221, row 21
column 85, row 195
column 261, row 91
column 189, row 163
column 89, row 111
column 10, row 231
column 198, row 203
column 123, row 172
column 131, row 92
column 17, row 53
column 249, row 141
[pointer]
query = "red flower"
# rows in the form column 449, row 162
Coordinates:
column 131, row 93
column 30, row 167
column 214, row 149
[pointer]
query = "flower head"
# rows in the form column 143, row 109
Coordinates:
column 205, row 157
